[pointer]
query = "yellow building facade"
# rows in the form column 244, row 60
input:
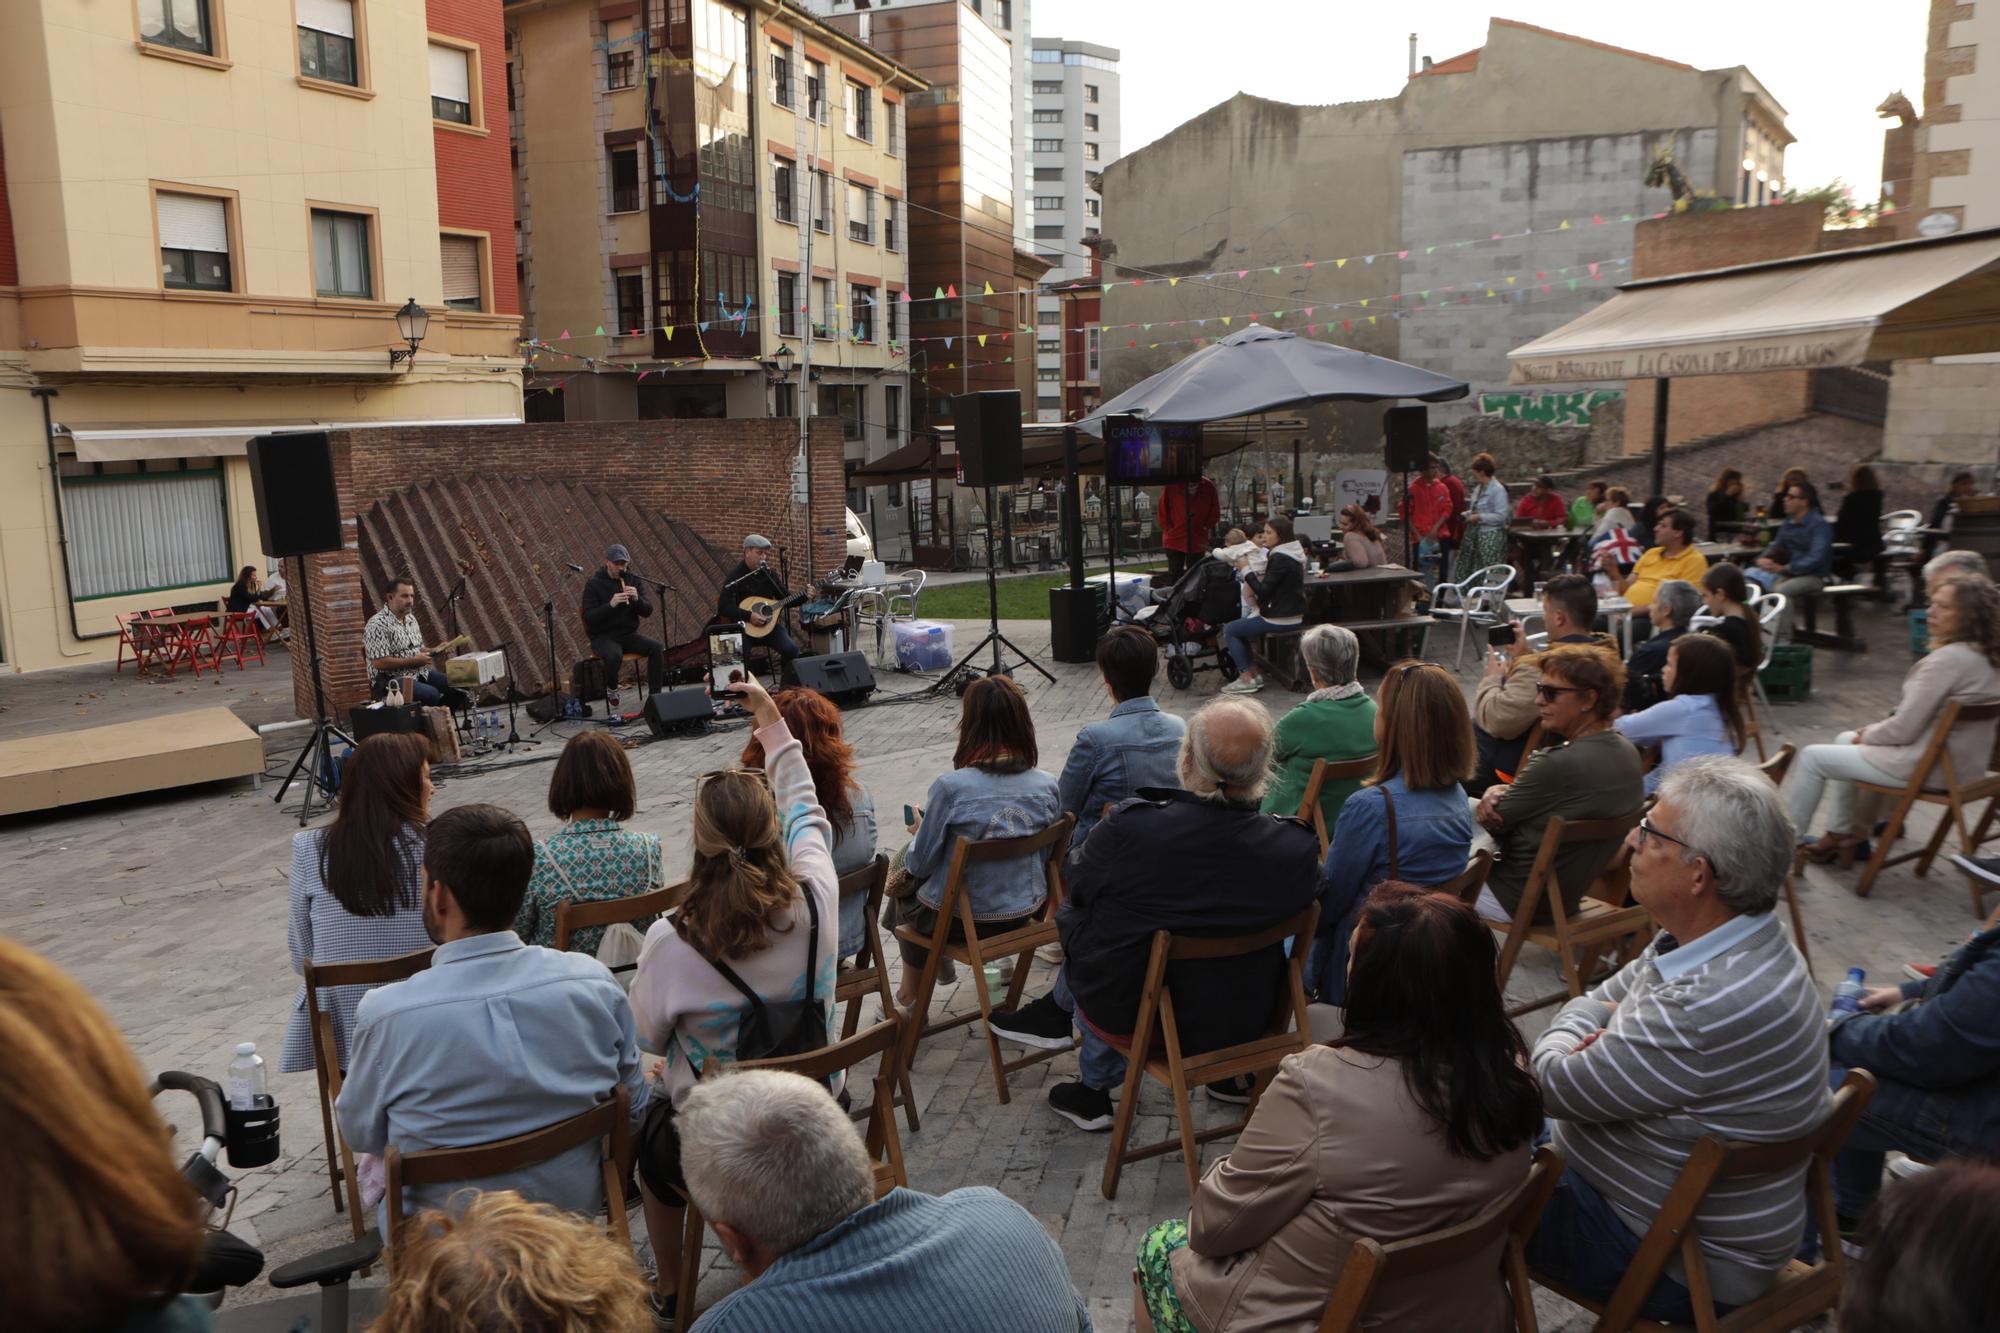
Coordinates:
column 210, row 214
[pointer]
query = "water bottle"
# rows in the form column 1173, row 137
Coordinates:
column 492, row 726
column 246, row 1077
column 611, row 701
column 1847, row 995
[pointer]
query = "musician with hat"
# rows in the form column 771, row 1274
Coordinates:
column 613, row 610
column 755, row 596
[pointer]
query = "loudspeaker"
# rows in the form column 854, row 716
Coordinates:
column 670, row 711
column 1073, row 623
column 365, row 722
column 298, row 509
column 1406, row 439
column 988, row 427
column 842, row 677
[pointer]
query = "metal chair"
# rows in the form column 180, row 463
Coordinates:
column 1772, row 608
column 1481, row 597
column 903, row 605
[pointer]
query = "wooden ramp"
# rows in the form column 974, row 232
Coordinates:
column 90, row 764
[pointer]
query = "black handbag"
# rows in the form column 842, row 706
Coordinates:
column 789, row 1027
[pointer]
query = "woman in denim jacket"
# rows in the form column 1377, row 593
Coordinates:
column 1409, row 822
column 993, row 791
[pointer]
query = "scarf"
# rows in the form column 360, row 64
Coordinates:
column 1332, row 692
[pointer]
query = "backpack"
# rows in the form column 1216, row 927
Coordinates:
column 789, row 1027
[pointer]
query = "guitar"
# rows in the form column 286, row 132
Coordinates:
column 761, row 615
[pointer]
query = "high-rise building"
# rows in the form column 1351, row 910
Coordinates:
column 1074, row 91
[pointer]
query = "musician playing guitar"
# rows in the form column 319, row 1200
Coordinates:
column 755, row 596
column 613, row 610
column 394, row 643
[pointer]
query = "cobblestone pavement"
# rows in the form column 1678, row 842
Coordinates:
column 172, row 911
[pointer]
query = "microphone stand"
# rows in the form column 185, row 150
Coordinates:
column 514, row 736
column 555, row 681
column 451, row 601
column 662, row 588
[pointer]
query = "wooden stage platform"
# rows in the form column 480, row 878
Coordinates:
column 92, row 763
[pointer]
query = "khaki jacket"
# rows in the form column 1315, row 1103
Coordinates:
column 1338, row 1149
column 1957, row 671
column 1503, row 706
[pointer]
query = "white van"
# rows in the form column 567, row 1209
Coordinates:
column 859, row 545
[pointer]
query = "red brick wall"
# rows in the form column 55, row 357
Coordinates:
column 723, row 478
column 475, row 177
column 10, row 269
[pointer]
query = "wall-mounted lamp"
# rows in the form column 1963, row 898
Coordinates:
column 412, row 323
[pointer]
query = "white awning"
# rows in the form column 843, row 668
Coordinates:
column 1878, row 303
column 122, row 444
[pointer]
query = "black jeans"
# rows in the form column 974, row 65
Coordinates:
column 611, row 649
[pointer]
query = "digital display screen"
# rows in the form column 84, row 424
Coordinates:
column 1139, row 453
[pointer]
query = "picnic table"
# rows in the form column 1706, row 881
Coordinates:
column 1372, row 602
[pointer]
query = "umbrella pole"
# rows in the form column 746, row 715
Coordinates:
column 1660, row 387
column 1072, row 511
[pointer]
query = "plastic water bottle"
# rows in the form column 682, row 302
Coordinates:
column 246, row 1077
column 611, row 701
column 492, row 726
column 1847, row 995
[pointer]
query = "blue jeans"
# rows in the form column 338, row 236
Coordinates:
column 1238, row 633
column 1102, row 1066
column 1897, row 1117
column 1582, row 1243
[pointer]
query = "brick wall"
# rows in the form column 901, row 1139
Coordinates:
column 724, row 478
column 475, row 178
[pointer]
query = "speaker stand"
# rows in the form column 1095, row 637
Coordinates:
column 317, row 757
column 994, row 637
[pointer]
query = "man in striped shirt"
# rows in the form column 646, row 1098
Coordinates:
column 1714, row 1029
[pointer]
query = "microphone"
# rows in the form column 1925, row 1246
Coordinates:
column 575, row 569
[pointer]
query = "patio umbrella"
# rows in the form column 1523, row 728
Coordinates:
column 1260, row 370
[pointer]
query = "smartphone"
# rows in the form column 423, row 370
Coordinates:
column 725, row 661
column 1500, row 635
column 909, row 815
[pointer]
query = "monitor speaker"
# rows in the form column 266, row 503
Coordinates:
column 1406, row 443
column 842, row 677
column 685, row 709
column 988, row 427
column 298, row 509
column 1073, row 623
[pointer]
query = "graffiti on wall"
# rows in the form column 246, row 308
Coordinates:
column 1554, row 409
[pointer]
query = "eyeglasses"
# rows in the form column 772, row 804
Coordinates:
column 1646, row 831
column 1547, row 693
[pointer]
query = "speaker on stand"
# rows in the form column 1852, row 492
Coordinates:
column 1406, row 448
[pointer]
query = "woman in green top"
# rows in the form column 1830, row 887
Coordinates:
column 590, row 858
column 1583, row 509
column 1335, row 723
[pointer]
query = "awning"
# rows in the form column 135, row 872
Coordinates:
column 912, row 462
column 1877, row 303
column 123, row 444
column 1042, row 449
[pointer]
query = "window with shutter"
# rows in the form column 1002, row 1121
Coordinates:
column 326, row 41
column 451, row 84
column 461, row 272
column 194, row 242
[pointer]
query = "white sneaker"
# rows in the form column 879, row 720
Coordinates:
column 1244, row 685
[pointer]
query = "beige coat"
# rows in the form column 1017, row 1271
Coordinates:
column 1337, row 1148
column 1503, row 706
column 1957, row 671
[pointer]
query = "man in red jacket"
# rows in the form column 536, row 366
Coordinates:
column 1188, row 514
column 1427, row 511
column 1542, row 507
column 1454, row 527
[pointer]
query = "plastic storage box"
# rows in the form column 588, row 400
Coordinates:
column 923, row 645
column 1134, row 590
column 1789, row 677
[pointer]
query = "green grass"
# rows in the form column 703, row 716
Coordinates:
column 1022, row 596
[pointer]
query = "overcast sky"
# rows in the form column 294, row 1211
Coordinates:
column 1829, row 63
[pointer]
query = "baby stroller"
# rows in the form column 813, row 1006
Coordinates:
column 1187, row 619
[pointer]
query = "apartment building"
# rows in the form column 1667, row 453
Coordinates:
column 1076, row 134
column 212, row 214
column 713, row 213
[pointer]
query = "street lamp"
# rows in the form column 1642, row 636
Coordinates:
column 412, row 323
column 782, row 359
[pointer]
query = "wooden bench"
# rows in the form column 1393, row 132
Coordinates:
column 1842, row 597
column 1278, row 658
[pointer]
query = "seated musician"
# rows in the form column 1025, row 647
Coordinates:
column 395, row 646
column 753, row 580
column 613, row 610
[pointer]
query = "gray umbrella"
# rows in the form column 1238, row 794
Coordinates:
column 1261, row 370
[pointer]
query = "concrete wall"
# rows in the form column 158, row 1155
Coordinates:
column 1944, row 411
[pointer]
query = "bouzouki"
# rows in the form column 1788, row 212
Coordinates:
column 761, row 614
column 462, row 640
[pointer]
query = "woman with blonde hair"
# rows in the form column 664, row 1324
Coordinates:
column 1410, row 821
column 99, row 1228
column 758, row 931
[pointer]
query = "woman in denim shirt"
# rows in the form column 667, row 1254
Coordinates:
column 1410, row 822
column 993, row 791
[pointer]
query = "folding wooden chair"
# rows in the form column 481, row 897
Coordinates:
column 1513, row 1217
column 1324, row 771
column 1746, row 698
column 573, row 916
column 1936, row 783
column 1286, row 1032
column 1802, row 1290
column 1465, row 885
column 869, row 972
column 885, row 1147
column 326, row 1061
column 974, row 951
column 1602, row 916
column 609, row 1122
column 1775, row 769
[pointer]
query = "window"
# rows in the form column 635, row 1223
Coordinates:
column 1048, row 173
column 1045, row 233
column 1048, row 402
column 842, row 401
column 1049, row 375
column 462, row 288
column 784, row 191
column 1024, row 306
column 822, row 201
column 861, row 111
column 1048, row 145
column 892, row 410
column 1092, row 344
column 340, row 255
column 861, row 313
column 816, row 89
column 1052, row 260
column 1048, row 117
column 156, row 527
column 822, row 308
column 625, row 194
column 326, row 41
column 785, row 402
column 892, row 134
column 1003, row 14
column 1090, row 120
column 629, row 287
column 892, row 317
column 892, row 224
column 1090, row 152
column 181, row 24
column 788, row 305
column 781, row 74
column 619, row 69
column 860, row 213
column 1048, row 319
column 1090, row 92
column 194, row 242
column 1048, row 87
column 451, row 84
column 1046, row 55
column 1046, row 202
column 1049, row 346
column 1093, row 208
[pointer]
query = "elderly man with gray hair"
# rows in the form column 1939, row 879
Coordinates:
column 780, row 1172
column 1714, row 1029
column 1197, row 861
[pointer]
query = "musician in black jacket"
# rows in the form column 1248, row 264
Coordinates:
column 754, row 577
column 613, row 610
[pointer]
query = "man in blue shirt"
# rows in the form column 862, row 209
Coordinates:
column 782, row 1175
column 496, row 1038
column 1137, row 746
column 1800, row 557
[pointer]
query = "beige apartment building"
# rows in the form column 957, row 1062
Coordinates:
column 211, row 212
column 712, row 208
